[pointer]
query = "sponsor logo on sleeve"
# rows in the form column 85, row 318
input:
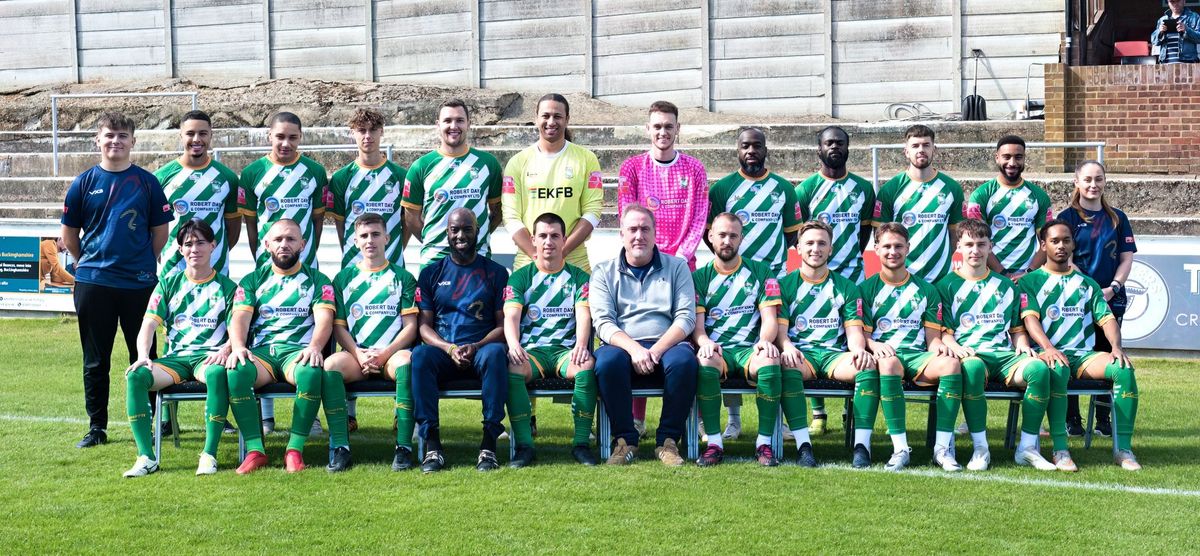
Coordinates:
column 878, row 209
column 239, row 295
column 797, row 211
column 327, row 198
column 1128, row 239
column 326, row 293
column 859, row 309
column 772, row 287
column 585, row 291
column 167, row 207
column 595, row 181
column 241, row 196
column 973, row 211
column 65, row 209
column 623, row 185
column 939, row 312
column 407, row 187
column 1024, row 301
column 510, row 185
column 418, row 296
column 508, row 293
column 1050, row 213
column 154, row 301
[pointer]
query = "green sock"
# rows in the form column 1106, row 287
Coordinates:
column 769, row 387
column 137, row 390
column 866, row 399
column 1125, row 402
column 404, row 406
column 583, row 406
column 795, row 405
column 333, row 396
column 818, row 406
column 891, row 397
column 1056, row 411
column 244, row 407
column 519, row 410
column 974, row 405
column 708, row 397
column 216, row 406
column 308, row 401
column 949, row 396
column 1037, row 395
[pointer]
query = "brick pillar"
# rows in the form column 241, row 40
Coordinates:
column 1056, row 112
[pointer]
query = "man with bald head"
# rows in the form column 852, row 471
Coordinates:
column 282, row 318
column 461, row 299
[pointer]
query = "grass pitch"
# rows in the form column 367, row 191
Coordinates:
column 56, row 498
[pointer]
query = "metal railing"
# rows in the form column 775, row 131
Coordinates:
column 54, row 110
column 1099, row 145
column 216, row 152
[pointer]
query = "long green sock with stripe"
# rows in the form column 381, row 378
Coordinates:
column 243, row 406
column 949, row 397
column 795, row 405
column 137, row 390
column 866, row 399
column 1125, row 403
column 1056, row 411
column 708, row 397
column 891, row 397
column 583, row 406
column 1037, row 396
column 768, row 389
column 519, row 410
column 404, row 406
column 308, row 402
column 333, row 396
column 974, row 405
column 216, row 406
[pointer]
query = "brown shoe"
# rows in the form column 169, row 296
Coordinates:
column 668, row 453
column 622, row 453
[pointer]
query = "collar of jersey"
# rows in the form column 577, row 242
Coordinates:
column 661, row 164
column 543, row 154
column 823, row 278
column 1069, row 271
column 1019, row 185
column 271, row 157
column 835, row 180
column 448, row 155
column 964, row 277
column 552, row 272
column 369, row 269
column 207, row 163
column 210, row 278
column 735, row 268
column 766, row 172
column 906, row 280
column 381, row 164
column 294, row 270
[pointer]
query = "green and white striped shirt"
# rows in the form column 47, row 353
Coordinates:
column 1015, row 214
column 437, row 184
column 768, row 210
column 845, row 205
column 731, row 302
column 371, row 302
column 981, row 313
column 195, row 313
column 209, row 194
column 927, row 210
column 283, row 303
column 817, row 313
column 272, row 192
column 548, row 302
column 356, row 190
column 1067, row 306
column 897, row 314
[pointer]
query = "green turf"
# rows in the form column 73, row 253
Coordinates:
column 56, row 498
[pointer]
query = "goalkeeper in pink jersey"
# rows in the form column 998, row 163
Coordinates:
column 671, row 184
column 674, row 186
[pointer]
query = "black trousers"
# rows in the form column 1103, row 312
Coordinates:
column 100, row 309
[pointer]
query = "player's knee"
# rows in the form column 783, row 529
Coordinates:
column 890, row 366
column 141, row 377
column 1035, row 371
column 709, row 372
column 214, row 374
column 867, row 376
column 948, row 365
column 713, row 361
column 400, row 358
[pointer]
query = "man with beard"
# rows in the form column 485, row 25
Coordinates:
column 201, row 188
column 903, row 315
column 1014, row 208
column 823, row 313
column 738, row 298
column 1061, row 308
column 462, row 327
column 453, row 176
column 927, row 203
column 286, row 310
column 766, row 204
column 843, row 200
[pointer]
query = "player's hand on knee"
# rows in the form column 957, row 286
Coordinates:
column 311, row 356
column 792, row 357
column 218, row 357
column 862, row 359
column 766, row 349
column 143, row 362
column 580, row 354
column 239, row 356
column 1054, row 357
column 517, row 355
column 1121, row 358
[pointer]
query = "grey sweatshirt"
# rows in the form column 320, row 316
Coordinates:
column 645, row 308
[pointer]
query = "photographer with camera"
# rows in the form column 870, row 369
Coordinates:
column 1177, row 34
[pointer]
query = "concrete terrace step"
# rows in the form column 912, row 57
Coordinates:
column 720, row 160
column 424, row 137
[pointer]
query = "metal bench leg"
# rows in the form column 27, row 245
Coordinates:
column 931, row 425
column 241, row 445
column 848, row 424
column 157, row 427
column 777, row 435
column 1087, row 431
column 174, row 412
column 1010, row 431
column 512, row 444
column 1112, row 419
column 692, row 432
column 604, row 439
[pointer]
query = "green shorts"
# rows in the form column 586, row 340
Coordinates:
column 280, row 360
column 1003, row 365
column 822, row 362
column 181, row 367
column 914, row 363
column 1079, row 362
column 549, row 362
column 737, row 362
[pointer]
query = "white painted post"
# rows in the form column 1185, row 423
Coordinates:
column 705, row 55
column 369, row 41
column 168, row 40
column 74, row 43
column 589, row 57
column 268, row 67
column 476, row 78
column 827, row 11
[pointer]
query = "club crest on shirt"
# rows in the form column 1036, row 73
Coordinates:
column 683, row 182
column 801, row 324
column 999, row 221
column 1053, row 312
column 181, row 206
column 653, row 202
column 967, row 320
column 357, row 311
column 271, row 204
column 534, row 312
column 884, row 324
column 908, row 219
column 569, row 171
column 182, row 321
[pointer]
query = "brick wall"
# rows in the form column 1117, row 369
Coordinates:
column 1149, row 116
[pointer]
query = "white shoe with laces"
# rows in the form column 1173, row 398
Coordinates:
column 899, row 460
column 1031, row 457
column 142, row 467
column 980, row 460
column 1125, row 459
column 942, row 458
column 733, row 430
column 207, row 466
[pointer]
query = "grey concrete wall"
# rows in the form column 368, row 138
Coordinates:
column 845, row 58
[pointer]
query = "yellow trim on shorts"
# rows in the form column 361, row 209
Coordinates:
column 1078, row 373
column 167, row 369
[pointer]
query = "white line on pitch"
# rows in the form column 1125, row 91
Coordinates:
column 39, row 419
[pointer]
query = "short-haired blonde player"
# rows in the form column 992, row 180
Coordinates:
column 376, row 324
column 739, row 299
column 983, row 329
